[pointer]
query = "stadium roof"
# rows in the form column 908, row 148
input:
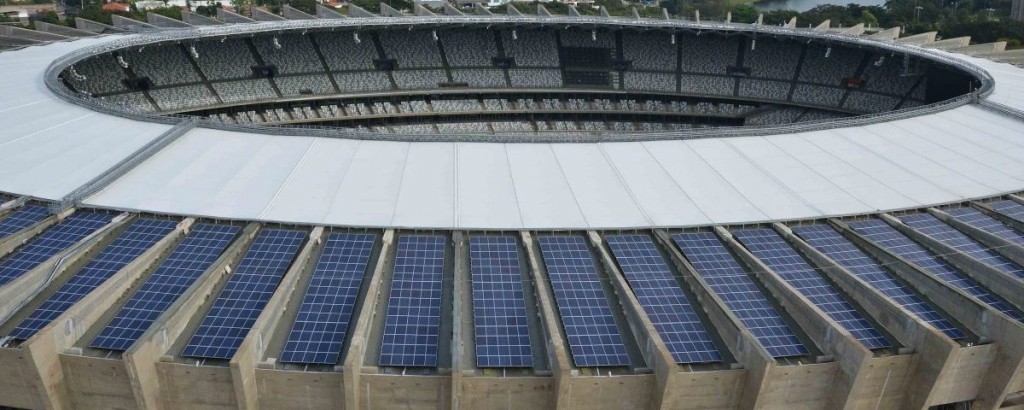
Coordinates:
column 49, row 148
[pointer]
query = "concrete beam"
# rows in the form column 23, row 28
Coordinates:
column 19, row 291
column 450, row 10
column 479, row 9
column 158, row 20
column 462, row 323
column 126, row 23
column 996, row 375
column 261, row 14
column 94, row 27
column 1009, row 250
column 979, row 48
column 949, row 43
column 292, row 13
column 852, row 387
column 253, row 347
column 141, row 359
column 918, row 39
column 184, row 383
column 823, row 26
column 988, row 210
column 324, row 12
column 853, row 31
column 999, row 282
column 936, row 352
column 61, row 30
column 741, row 342
column 557, row 350
column 14, row 241
column 885, row 35
column 198, row 20
column 361, row 325
column 37, row 357
column 653, row 348
column 232, row 18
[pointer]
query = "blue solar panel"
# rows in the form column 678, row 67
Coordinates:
column 245, row 294
column 892, row 240
column 977, row 219
column 499, row 305
column 132, row 242
column 193, row 256
column 663, row 300
column 320, row 327
column 938, row 230
column 51, row 242
column 413, row 323
column 713, row 262
column 594, row 338
column 1009, row 208
column 841, row 250
column 774, row 252
column 22, row 218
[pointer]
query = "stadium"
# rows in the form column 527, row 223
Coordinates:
column 467, row 210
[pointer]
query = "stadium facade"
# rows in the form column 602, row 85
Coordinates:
column 522, row 211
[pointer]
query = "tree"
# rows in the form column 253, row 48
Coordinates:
column 307, row 6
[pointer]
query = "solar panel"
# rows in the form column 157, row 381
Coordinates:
column 51, row 242
column 776, row 253
column 24, row 217
column 594, row 339
column 178, row 271
column 245, row 294
column 977, row 219
column 662, row 299
column 322, row 322
column 892, row 240
column 499, row 304
column 938, row 230
column 141, row 235
column 713, row 262
column 413, row 322
column 835, row 246
column 1009, row 208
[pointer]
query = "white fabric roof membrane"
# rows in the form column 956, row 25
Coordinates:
column 50, row 147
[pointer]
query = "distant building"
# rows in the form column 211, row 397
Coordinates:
column 1017, row 10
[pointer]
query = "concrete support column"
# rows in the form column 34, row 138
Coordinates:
column 557, row 350
column 252, row 350
column 741, row 342
column 361, row 329
column 988, row 210
column 854, row 359
column 936, row 352
column 1001, row 376
column 653, row 348
column 462, row 312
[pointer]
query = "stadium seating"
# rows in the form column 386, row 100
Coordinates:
column 227, row 59
column 175, row 98
column 299, row 85
column 411, row 48
column 98, row 75
column 362, row 81
column 649, row 51
column 650, row 81
column 163, row 65
column 521, row 78
column 341, row 52
column 292, row 54
column 468, row 48
column 531, row 48
column 244, row 90
column 419, row 79
column 480, row 77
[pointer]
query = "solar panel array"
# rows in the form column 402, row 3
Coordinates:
column 499, row 304
column 778, row 255
column 141, row 235
column 245, row 294
column 51, row 242
column 412, row 326
column 24, row 217
column 594, row 339
column 712, row 261
column 940, row 231
column 1009, row 208
column 841, row 250
column 662, row 299
column 179, row 270
column 892, row 240
column 977, row 219
column 322, row 322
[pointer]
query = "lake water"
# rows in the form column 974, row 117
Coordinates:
column 804, row 5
